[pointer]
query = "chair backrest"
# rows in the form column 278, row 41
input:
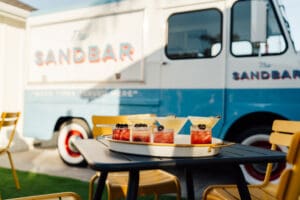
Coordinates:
column 102, row 125
column 289, row 184
column 282, row 134
column 9, row 120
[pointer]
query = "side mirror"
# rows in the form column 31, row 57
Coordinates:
column 258, row 21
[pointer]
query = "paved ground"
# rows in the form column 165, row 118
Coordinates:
column 47, row 161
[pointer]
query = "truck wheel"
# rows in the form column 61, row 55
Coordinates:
column 255, row 173
column 69, row 131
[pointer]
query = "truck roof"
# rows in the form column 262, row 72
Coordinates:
column 131, row 3
column 83, row 4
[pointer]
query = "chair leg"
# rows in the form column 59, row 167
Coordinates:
column 178, row 188
column 178, row 195
column 13, row 170
column 91, row 184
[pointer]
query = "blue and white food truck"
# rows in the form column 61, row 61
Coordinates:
column 235, row 59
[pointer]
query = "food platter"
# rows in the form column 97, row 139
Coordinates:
column 181, row 147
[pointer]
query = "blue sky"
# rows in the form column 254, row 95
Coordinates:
column 45, row 4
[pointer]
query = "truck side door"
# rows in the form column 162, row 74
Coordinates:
column 261, row 74
column 193, row 66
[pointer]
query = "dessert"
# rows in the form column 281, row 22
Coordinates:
column 201, row 129
column 200, row 134
column 121, row 132
column 162, row 135
column 141, row 133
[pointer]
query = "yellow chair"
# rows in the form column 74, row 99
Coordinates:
column 9, row 121
column 285, row 133
column 152, row 182
column 60, row 196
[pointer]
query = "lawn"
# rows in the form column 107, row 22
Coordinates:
column 34, row 183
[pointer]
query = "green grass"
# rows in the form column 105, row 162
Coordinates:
column 35, row 183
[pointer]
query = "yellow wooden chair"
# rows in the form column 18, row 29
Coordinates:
column 152, row 182
column 285, row 133
column 60, row 196
column 8, row 124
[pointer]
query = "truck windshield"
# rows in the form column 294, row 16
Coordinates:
column 290, row 12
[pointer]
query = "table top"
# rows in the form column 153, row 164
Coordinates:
column 100, row 158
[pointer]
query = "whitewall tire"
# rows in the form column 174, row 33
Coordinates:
column 254, row 173
column 70, row 131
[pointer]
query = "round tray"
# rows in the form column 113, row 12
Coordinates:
column 181, row 148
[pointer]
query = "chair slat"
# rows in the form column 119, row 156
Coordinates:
column 113, row 119
column 52, row 196
column 220, row 192
column 10, row 114
column 258, row 193
column 98, row 131
column 102, row 125
column 9, row 123
column 286, row 126
column 109, row 119
column 281, row 138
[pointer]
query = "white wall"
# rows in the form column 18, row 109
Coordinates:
column 12, row 64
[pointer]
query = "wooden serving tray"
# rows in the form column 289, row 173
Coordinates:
column 181, row 148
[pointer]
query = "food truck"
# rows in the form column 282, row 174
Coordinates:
column 228, row 58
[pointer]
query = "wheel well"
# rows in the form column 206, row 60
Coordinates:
column 251, row 120
column 62, row 120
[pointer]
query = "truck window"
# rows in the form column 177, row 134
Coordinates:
column 241, row 44
column 194, row 34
